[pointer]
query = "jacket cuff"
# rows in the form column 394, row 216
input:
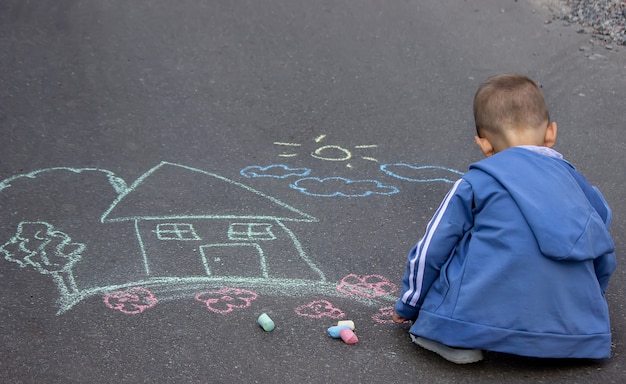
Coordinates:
column 406, row 311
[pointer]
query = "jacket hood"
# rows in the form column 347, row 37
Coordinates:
column 565, row 224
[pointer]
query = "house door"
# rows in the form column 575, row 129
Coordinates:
column 233, row 259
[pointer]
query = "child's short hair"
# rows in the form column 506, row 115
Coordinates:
column 509, row 101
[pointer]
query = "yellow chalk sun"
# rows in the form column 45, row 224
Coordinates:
column 327, row 152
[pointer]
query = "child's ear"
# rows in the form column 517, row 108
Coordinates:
column 485, row 145
column 550, row 136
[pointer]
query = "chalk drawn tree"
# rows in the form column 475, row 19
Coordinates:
column 49, row 252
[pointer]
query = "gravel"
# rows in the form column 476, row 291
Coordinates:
column 605, row 19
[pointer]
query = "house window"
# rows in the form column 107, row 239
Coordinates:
column 176, row 231
column 250, row 231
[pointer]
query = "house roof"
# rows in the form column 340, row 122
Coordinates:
column 174, row 191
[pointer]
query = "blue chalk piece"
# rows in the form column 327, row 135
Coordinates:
column 335, row 331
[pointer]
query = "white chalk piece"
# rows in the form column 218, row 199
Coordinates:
column 265, row 322
column 348, row 323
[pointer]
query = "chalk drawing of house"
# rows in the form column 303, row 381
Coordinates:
column 193, row 223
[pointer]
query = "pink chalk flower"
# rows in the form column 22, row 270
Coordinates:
column 226, row 300
column 130, row 301
column 320, row 308
column 370, row 286
column 384, row 315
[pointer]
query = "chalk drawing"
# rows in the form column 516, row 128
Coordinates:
column 328, row 152
column 320, row 308
column 233, row 238
column 384, row 315
column 250, row 231
column 131, row 301
column 115, row 181
column 277, row 171
column 370, row 286
column 176, row 232
column 233, row 245
column 344, row 187
column 226, row 300
column 50, row 252
column 420, row 174
column 287, row 145
column 340, row 154
column 340, row 186
column 213, row 265
column 259, row 211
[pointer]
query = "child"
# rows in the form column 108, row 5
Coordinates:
column 518, row 256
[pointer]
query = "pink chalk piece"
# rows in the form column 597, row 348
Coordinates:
column 348, row 336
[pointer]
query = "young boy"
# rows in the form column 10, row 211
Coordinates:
column 518, row 256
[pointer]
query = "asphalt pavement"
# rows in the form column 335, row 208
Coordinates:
column 170, row 171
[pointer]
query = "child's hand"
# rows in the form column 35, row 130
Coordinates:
column 397, row 319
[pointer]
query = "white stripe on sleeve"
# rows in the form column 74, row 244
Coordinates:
column 416, row 278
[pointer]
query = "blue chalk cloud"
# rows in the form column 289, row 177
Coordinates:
column 421, row 174
column 277, row 171
column 339, row 186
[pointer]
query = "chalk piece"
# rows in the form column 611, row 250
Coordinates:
column 349, row 323
column 335, row 330
column 265, row 322
column 348, row 336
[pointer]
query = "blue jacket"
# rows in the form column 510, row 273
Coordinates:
column 516, row 259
